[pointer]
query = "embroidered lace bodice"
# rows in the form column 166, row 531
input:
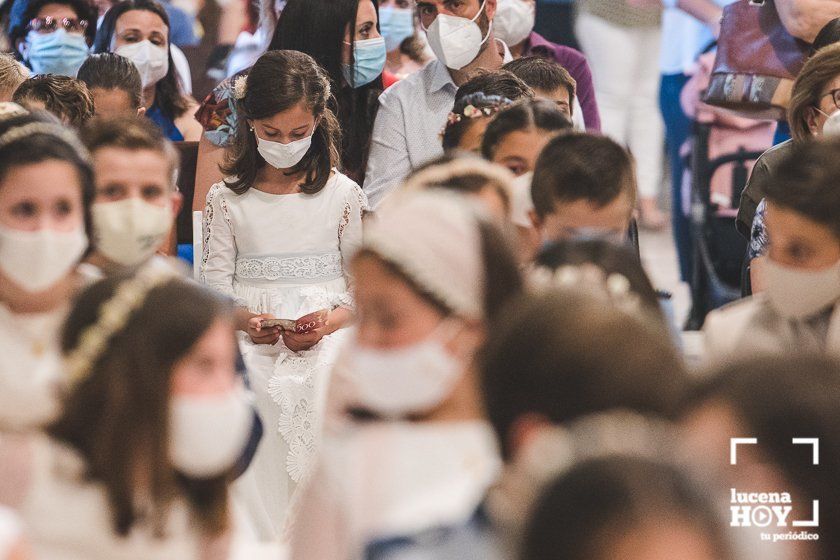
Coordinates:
column 258, row 237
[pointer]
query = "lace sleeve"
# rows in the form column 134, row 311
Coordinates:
column 350, row 234
column 218, row 260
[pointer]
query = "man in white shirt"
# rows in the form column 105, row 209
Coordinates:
column 413, row 111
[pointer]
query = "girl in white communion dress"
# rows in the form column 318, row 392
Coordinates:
column 277, row 235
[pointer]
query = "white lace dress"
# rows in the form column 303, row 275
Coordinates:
column 284, row 255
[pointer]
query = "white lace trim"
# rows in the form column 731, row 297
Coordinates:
column 297, row 415
column 309, row 267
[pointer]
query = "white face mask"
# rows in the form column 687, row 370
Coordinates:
column 283, row 156
column 151, row 60
column 831, row 126
column 37, row 260
column 514, row 20
column 129, row 231
column 208, row 433
column 404, row 381
column 797, row 294
column 456, row 41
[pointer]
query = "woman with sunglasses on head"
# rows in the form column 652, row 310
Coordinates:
column 52, row 36
column 343, row 38
column 139, row 30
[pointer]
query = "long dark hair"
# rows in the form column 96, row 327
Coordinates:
column 318, row 28
column 123, row 402
column 168, row 96
column 278, row 81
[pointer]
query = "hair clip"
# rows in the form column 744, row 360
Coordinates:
column 240, row 87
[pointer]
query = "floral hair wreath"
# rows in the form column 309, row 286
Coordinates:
column 113, row 317
column 490, row 105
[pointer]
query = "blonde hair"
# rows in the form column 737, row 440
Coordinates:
column 12, row 74
column 820, row 69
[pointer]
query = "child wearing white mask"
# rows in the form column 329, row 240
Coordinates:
column 154, row 419
column 136, row 198
column 46, row 186
column 406, row 446
column 798, row 309
column 139, row 30
column 278, row 235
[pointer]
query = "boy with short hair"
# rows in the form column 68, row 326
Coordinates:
column 115, row 84
column 66, row 98
column 548, row 79
column 799, row 310
column 136, row 199
column 583, row 186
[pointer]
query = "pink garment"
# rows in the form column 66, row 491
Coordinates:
column 729, row 133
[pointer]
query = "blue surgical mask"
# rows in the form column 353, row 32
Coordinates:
column 396, row 25
column 369, row 60
column 58, row 52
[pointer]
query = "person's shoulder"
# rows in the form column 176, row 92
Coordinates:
column 217, row 191
column 412, row 85
column 732, row 317
column 775, row 153
column 564, row 55
column 345, row 187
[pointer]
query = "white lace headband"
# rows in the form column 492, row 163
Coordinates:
column 49, row 129
column 433, row 237
column 113, row 316
column 438, row 174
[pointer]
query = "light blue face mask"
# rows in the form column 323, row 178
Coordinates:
column 369, row 61
column 396, row 25
column 58, row 52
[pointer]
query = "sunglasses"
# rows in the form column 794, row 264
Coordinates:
column 49, row 24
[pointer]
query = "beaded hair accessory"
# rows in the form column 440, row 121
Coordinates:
column 113, row 317
column 615, row 287
column 49, row 129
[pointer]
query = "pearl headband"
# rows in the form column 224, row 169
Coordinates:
column 113, row 317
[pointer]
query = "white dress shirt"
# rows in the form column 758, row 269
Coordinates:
column 406, row 134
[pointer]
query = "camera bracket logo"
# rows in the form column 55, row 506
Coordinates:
column 766, row 509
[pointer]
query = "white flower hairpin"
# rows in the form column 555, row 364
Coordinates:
column 240, row 85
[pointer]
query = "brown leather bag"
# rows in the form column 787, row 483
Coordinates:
column 757, row 62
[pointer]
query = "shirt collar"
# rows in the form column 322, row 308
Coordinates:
column 440, row 76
